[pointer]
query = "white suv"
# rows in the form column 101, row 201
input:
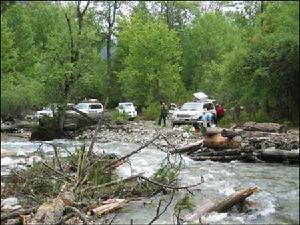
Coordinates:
column 191, row 112
column 92, row 109
column 128, row 108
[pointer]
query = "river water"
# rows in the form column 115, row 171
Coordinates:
column 276, row 202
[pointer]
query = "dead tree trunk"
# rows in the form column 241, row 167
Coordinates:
column 223, row 205
column 110, row 19
column 189, row 148
column 51, row 211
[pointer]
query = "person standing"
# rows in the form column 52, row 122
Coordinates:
column 219, row 112
column 236, row 112
column 163, row 113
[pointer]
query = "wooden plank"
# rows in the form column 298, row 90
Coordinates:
column 109, row 206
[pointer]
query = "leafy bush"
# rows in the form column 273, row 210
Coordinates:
column 187, row 128
column 152, row 112
column 118, row 117
column 17, row 99
column 47, row 129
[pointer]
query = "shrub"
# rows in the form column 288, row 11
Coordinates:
column 152, row 112
column 118, row 117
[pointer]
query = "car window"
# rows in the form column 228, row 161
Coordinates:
column 95, row 106
column 82, row 106
column 191, row 107
column 208, row 106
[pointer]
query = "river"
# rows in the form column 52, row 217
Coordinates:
column 277, row 201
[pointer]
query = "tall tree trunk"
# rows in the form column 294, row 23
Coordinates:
column 109, row 65
column 111, row 17
column 74, row 58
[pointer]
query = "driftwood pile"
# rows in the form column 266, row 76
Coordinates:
column 253, row 142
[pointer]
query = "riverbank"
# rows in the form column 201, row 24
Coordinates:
column 249, row 141
column 276, row 202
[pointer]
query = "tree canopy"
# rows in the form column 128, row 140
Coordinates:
column 155, row 51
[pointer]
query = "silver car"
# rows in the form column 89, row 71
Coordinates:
column 191, row 112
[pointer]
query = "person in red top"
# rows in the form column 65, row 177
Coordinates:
column 219, row 112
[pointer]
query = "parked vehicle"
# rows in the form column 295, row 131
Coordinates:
column 128, row 108
column 191, row 112
column 172, row 108
column 46, row 111
column 92, row 109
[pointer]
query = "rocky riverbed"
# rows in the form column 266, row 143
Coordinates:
column 142, row 132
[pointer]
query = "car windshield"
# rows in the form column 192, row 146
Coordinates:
column 82, row 106
column 127, row 105
column 191, row 107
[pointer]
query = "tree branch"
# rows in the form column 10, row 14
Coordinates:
column 158, row 214
column 133, row 152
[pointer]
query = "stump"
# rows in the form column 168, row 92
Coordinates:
column 217, row 141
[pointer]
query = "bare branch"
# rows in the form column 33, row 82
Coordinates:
column 78, row 213
column 112, row 183
column 56, row 171
column 168, row 186
column 158, row 214
column 133, row 152
column 57, row 157
column 65, row 218
column 85, row 8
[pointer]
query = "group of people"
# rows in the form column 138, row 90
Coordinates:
column 214, row 118
column 206, row 117
column 209, row 117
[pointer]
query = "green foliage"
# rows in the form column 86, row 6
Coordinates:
column 163, row 53
column 32, row 182
column 151, row 65
column 152, row 112
column 119, row 117
column 184, row 205
column 187, row 128
column 47, row 129
column 21, row 97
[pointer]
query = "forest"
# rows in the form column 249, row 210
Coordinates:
column 147, row 52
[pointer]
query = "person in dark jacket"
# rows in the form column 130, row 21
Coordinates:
column 236, row 112
column 163, row 113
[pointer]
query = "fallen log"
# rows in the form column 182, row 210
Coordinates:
column 8, row 128
column 109, row 205
column 221, row 206
column 218, row 142
column 51, row 211
column 225, row 158
column 266, row 127
column 189, row 148
column 17, row 213
column 233, row 199
column 276, row 155
column 225, row 152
